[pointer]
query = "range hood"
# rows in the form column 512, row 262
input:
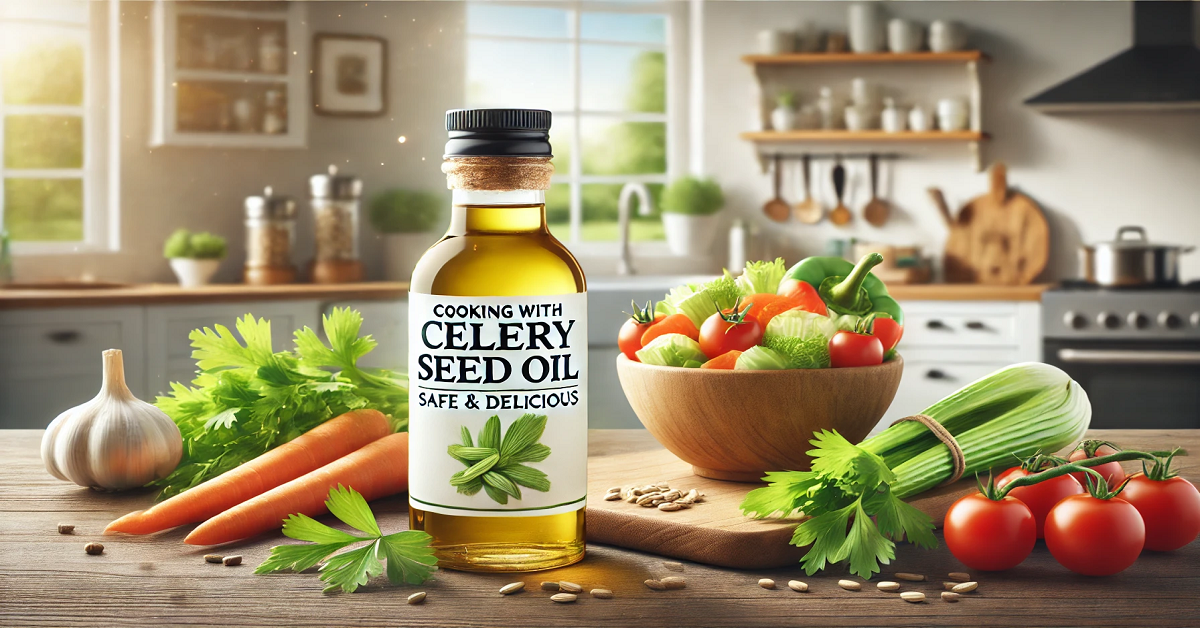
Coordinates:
column 1160, row 72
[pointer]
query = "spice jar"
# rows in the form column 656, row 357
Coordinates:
column 270, row 234
column 335, row 204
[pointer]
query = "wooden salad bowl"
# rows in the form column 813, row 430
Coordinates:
column 736, row 425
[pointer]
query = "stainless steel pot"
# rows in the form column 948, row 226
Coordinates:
column 1132, row 262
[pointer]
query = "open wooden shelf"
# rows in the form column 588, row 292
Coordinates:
column 863, row 136
column 816, row 58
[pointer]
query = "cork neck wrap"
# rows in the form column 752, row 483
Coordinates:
column 498, row 174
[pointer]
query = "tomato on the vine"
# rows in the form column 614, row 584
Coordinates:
column 1112, row 471
column 857, row 347
column 629, row 339
column 988, row 534
column 1095, row 535
column 729, row 330
column 1040, row 497
column 1169, row 505
column 810, row 300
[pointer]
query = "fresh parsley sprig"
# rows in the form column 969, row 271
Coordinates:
column 846, row 488
column 496, row 464
column 409, row 557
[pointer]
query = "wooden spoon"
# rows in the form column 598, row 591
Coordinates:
column 777, row 209
column 877, row 210
column 840, row 215
column 808, row 211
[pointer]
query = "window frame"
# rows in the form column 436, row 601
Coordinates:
column 100, row 115
column 675, row 46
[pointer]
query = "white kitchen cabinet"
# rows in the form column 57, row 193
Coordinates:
column 50, row 359
column 948, row 344
column 169, row 350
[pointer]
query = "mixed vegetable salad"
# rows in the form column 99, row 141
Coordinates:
column 823, row 312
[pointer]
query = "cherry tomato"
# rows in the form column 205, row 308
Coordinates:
column 727, row 331
column 850, row 349
column 1111, row 471
column 1040, row 497
column 888, row 331
column 989, row 535
column 1170, row 509
column 810, row 299
column 1093, row 536
column 629, row 339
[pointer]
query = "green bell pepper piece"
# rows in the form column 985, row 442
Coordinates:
column 848, row 288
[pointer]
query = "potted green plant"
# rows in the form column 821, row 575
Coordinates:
column 194, row 257
column 406, row 220
column 689, row 212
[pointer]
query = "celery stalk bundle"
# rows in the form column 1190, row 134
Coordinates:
column 1010, row 414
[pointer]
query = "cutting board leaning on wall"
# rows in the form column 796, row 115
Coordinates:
column 999, row 238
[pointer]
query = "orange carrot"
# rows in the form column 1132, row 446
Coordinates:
column 673, row 324
column 377, row 470
column 764, row 306
column 724, row 361
column 316, row 448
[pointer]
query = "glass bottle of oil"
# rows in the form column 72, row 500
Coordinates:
column 498, row 360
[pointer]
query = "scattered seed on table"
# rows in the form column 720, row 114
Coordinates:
column 612, row 497
column 850, row 585
column 614, row 489
column 564, row 598
column 416, row 598
column 94, row 548
column 950, row 596
column 511, row 588
column 916, row 597
column 213, row 558
column 550, row 586
column 602, row 594
column 232, row 561
column 766, row 583
column 674, row 582
column 669, row 506
column 65, row 528
column 888, row 585
column 965, row 587
column 656, row 585
column 673, row 566
column 959, row 576
column 797, row 586
column 910, row 577
column 569, row 587
column 949, row 586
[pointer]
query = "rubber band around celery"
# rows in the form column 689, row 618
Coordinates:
column 956, row 453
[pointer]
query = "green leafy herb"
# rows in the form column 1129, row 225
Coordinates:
column 495, row 466
column 409, row 557
column 248, row 398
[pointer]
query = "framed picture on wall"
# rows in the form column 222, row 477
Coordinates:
column 349, row 75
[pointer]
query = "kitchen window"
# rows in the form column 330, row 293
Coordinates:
column 609, row 72
column 56, row 77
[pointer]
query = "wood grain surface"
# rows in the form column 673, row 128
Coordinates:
column 146, row 294
column 47, row 580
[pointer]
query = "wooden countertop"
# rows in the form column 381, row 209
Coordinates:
column 150, row 581
column 965, row 292
column 158, row 294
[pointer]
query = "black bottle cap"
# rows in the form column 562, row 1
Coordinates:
column 498, row 133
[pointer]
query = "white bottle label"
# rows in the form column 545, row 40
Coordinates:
column 497, row 404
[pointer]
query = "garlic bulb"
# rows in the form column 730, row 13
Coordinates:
column 113, row 442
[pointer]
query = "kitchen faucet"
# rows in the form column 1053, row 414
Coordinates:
column 645, row 208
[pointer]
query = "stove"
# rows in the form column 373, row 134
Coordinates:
column 1136, row 351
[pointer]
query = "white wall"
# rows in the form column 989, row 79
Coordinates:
column 1090, row 173
column 165, row 188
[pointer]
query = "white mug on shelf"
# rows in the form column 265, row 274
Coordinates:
column 952, row 114
column 776, row 42
column 947, row 36
column 904, row 35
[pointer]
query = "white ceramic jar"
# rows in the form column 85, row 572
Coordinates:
column 919, row 120
column 947, row 36
column 865, row 27
column 904, row 35
column 776, row 42
column 952, row 114
column 892, row 118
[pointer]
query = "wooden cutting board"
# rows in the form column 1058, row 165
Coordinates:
column 713, row 532
column 999, row 238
